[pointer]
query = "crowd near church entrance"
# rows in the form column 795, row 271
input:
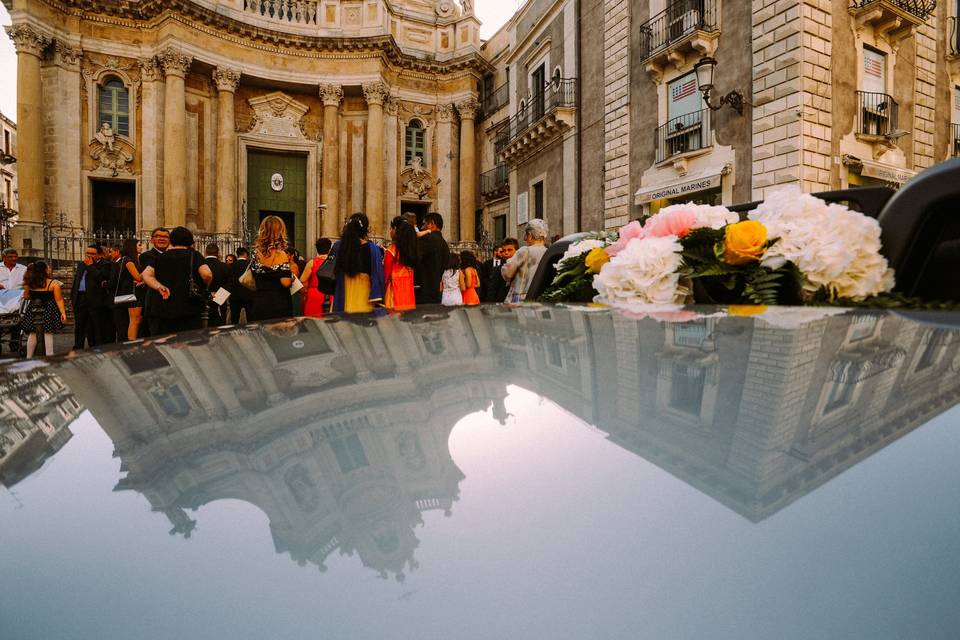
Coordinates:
column 277, row 186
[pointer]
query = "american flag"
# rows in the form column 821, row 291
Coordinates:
column 681, row 91
column 873, row 67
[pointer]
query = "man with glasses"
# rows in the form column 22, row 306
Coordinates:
column 87, row 296
column 160, row 242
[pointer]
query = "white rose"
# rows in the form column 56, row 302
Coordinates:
column 646, row 271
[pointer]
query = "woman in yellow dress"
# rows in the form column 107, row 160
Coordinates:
column 359, row 268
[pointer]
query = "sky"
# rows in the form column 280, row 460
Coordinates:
column 493, row 14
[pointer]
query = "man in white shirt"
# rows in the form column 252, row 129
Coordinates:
column 11, row 278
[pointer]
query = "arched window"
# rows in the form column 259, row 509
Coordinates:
column 114, row 106
column 415, row 146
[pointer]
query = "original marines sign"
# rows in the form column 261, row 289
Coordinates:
column 679, row 189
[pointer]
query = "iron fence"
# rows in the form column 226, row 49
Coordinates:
column 495, row 100
column 922, row 9
column 690, row 132
column 495, row 182
column 560, row 92
column 680, row 19
column 877, row 114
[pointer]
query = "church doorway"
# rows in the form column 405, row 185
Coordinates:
column 114, row 206
column 277, row 185
column 418, row 209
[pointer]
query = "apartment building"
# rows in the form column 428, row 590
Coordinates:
column 8, row 166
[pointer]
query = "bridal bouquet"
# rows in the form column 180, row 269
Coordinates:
column 793, row 249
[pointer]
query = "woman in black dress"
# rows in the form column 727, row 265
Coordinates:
column 130, row 282
column 181, row 302
column 45, row 306
column 274, row 272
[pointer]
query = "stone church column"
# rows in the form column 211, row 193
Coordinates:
column 226, row 178
column 445, row 177
column 375, row 93
column 63, row 104
column 175, row 66
column 150, row 135
column 30, row 45
column 468, row 170
column 332, row 95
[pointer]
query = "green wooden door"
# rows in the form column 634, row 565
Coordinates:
column 289, row 202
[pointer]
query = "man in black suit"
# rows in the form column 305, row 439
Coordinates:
column 160, row 242
column 241, row 298
column 495, row 288
column 119, row 316
column 221, row 274
column 434, row 258
column 89, row 297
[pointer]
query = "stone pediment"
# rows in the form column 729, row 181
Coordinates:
column 278, row 116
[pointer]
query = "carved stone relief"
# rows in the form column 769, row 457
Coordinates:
column 278, row 115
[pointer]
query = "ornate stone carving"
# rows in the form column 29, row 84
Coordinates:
column 467, row 7
column 148, row 70
column 174, row 63
column 444, row 113
column 278, row 115
column 109, row 63
column 26, row 39
column 66, row 56
column 376, row 92
column 112, row 154
column 446, row 8
column 417, row 181
column 468, row 108
column 226, row 79
column 331, row 94
column 392, row 106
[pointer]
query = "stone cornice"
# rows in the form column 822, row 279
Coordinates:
column 134, row 14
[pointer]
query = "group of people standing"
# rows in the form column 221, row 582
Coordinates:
column 122, row 293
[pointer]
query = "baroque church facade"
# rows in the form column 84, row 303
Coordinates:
column 215, row 113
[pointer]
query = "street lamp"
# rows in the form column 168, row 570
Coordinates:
column 705, row 70
column 8, row 220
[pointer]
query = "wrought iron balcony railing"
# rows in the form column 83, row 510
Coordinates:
column 921, row 9
column 877, row 114
column 680, row 19
column 293, row 12
column 955, row 149
column 495, row 100
column 686, row 133
column 561, row 92
column 953, row 29
column 495, row 182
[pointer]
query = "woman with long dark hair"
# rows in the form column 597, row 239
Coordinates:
column 129, row 283
column 399, row 261
column 470, row 268
column 45, row 306
column 359, row 268
column 314, row 300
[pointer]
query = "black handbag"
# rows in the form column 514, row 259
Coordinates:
column 194, row 292
column 327, row 275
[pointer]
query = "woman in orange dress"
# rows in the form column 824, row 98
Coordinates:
column 315, row 301
column 398, row 263
column 471, row 278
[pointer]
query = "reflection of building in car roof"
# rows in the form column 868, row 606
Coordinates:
column 338, row 432
column 35, row 411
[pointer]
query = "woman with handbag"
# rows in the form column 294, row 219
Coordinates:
column 45, row 305
column 129, row 294
column 314, row 300
column 180, row 276
column 273, row 272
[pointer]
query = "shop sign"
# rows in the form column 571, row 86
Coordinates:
column 886, row 173
column 679, row 189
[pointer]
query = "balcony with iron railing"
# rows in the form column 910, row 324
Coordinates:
column 955, row 147
column 894, row 20
column 953, row 44
column 684, row 135
column 495, row 183
column 685, row 27
column 878, row 116
column 495, row 100
column 544, row 115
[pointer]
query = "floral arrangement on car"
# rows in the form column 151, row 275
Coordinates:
column 793, row 249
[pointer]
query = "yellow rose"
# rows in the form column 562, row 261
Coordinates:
column 745, row 242
column 747, row 310
column 596, row 259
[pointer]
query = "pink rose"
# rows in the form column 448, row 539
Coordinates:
column 630, row 232
column 675, row 222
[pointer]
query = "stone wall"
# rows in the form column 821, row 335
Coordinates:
column 616, row 99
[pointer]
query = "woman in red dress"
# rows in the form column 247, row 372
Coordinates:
column 398, row 263
column 471, row 278
column 315, row 303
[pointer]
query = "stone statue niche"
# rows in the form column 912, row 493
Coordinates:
column 112, row 154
